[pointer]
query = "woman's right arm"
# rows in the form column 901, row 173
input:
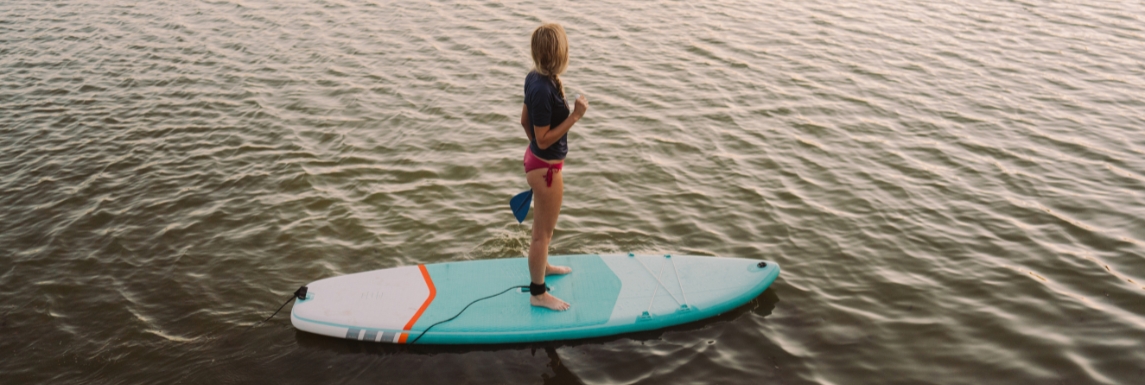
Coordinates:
column 546, row 137
column 526, row 123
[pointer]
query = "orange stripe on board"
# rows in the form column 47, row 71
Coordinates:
column 424, row 305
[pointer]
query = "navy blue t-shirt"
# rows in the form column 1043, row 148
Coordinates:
column 546, row 108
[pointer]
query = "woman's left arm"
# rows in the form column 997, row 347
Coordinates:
column 526, row 123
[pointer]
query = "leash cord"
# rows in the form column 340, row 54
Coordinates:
column 298, row 294
column 463, row 310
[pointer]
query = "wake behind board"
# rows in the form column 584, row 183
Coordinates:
column 610, row 294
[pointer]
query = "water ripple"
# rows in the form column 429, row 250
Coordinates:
column 961, row 175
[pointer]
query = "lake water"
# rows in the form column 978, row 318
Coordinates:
column 955, row 190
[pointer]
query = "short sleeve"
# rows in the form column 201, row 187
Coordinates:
column 538, row 99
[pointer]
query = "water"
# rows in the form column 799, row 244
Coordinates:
column 954, row 189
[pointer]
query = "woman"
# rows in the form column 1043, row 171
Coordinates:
column 547, row 120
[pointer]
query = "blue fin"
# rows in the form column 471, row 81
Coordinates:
column 520, row 204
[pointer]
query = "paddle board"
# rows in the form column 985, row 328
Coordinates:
column 609, row 293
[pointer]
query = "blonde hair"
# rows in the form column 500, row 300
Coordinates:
column 551, row 53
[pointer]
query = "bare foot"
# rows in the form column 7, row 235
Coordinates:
column 557, row 270
column 549, row 301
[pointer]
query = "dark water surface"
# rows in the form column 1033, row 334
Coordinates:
column 955, row 190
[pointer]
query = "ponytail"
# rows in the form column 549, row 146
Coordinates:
column 560, row 88
column 550, row 48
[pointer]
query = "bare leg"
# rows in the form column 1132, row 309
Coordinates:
column 546, row 208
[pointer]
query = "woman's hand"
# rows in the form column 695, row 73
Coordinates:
column 581, row 106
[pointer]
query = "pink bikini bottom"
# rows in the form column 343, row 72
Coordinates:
column 532, row 162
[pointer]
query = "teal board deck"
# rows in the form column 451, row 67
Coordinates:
column 609, row 294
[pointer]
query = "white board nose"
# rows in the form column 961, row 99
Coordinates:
column 379, row 300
